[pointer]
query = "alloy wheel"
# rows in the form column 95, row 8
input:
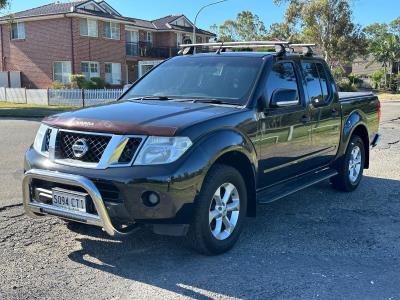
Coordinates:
column 224, row 211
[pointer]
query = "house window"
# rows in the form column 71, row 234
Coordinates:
column 90, row 69
column 113, row 73
column 112, row 30
column 88, row 27
column 149, row 37
column 62, row 71
column 18, row 31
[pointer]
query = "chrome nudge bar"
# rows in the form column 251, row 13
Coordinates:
column 33, row 208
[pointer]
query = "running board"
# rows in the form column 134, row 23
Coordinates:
column 294, row 185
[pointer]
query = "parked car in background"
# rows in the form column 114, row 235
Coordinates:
column 193, row 146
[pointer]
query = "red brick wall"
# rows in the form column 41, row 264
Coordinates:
column 46, row 41
column 50, row 40
column 99, row 49
column 164, row 39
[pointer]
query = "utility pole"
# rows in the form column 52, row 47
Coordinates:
column 195, row 20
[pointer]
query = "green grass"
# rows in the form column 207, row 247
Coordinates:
column 30, row 110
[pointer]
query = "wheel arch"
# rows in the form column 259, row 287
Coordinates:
column 355, row 124
column 232, row 148
column 242, row 164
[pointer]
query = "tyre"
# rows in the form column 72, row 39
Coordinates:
column 351, row 166
column 220, row 210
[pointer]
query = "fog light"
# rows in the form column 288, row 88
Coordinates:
column 150, row 198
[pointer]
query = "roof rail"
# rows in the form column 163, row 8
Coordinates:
column 238, row 44
column 280, row 46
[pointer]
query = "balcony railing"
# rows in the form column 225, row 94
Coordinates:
column 145, row 49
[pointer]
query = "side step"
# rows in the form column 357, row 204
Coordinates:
column 293, row 185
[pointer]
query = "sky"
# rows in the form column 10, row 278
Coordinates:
column 365, row 11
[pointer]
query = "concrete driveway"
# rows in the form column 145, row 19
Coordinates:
column 318, row 243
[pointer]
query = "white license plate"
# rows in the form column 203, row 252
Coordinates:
column 69, row 200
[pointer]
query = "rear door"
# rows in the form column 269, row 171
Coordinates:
column 284, row 137
column 325, row 111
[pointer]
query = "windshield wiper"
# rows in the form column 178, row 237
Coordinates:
column 151, row 98
column 215, row 101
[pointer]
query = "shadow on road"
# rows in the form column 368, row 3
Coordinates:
column 317, row 237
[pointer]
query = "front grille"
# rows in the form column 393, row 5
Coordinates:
column 96, row 143
column 129, row 150
column 108, row 191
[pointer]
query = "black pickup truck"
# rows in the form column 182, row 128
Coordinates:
column 194, row 145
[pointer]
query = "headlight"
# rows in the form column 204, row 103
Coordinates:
column 39, row 143
column 162, row 150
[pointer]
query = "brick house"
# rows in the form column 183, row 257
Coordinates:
column 51, row 42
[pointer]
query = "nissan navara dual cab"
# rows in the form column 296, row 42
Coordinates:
column 192, row 147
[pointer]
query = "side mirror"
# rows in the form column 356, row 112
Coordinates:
column 284, row 97
column 126, row 87
column 317, row 102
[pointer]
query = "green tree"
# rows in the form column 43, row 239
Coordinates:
column 283, row 32
column 384, row 45
column 327, row 23
column 246, row 27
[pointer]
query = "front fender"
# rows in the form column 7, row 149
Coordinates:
column 211, row 147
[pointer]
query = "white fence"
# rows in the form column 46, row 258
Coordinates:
column 67, row 97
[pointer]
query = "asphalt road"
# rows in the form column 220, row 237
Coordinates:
column 318, row 243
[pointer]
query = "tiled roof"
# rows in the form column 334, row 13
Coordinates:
column 161, row 23
column 71, row 7
column 141, row 23
column 48, row 9
column 190, row 29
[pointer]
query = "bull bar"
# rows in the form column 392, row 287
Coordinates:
column 35, row 209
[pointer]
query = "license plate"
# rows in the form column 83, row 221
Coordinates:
column 70, row 200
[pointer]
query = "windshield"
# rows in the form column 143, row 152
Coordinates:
column 228, row 79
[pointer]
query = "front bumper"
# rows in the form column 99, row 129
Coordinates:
column 35, row 209
column 176, row 184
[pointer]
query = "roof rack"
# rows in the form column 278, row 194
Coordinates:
column 280, row 46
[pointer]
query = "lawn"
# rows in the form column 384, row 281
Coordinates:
column 29, row 110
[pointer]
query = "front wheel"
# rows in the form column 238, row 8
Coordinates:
column 351, row 166
column 220, row 211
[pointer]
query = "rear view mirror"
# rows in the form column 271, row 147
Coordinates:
column 284, row 97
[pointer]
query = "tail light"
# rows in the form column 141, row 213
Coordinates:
column 379, row 112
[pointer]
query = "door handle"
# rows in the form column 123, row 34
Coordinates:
column 334, row 113
column 305, row 119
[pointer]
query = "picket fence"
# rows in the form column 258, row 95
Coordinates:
column 67, row 97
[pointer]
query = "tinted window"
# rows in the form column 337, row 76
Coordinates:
column 312, row 78
column 317, row 81
column 324, row 80
column 282, row 76
column 227, row 78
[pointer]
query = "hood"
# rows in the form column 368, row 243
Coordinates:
column 162, row 118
